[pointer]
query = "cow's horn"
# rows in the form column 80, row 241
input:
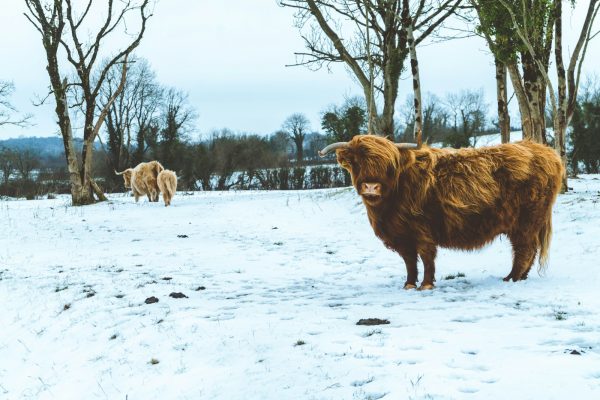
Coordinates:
column 416, row 146
column 407, row 145
column 333, row 146
column 119, row 173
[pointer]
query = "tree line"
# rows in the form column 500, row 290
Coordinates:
column 148, row 121
column 377, row 41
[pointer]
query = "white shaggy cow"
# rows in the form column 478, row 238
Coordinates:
column 142, row 179
column 167, row 183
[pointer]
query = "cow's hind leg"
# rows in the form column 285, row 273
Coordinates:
column 408, row 253
column 523, row 257
column 428, row 254
column 532, row 251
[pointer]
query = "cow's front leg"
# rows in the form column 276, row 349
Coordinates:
column 427, row 253
column 408, row 253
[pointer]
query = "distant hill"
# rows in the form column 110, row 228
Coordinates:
column 41, row 146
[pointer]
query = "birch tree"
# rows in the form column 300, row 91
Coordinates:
column 500, row 37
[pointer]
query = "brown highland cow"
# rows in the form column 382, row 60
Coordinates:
column 167, row 183
column 419, row 198
column 142, row 179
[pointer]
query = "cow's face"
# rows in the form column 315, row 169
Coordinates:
column 374, row 163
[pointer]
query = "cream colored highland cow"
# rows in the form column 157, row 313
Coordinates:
column 167, row 183
column 142, row 179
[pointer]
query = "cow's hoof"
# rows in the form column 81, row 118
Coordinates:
column 514, row 279
column 426, row 286
column 408, row 286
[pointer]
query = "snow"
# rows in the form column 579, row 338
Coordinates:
column 494, row 139
column 286, row 277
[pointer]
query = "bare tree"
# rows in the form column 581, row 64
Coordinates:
column 60, row 25
column 7, row 110
column 177, row 118
column 467, row 110
column 7, row 164
column 25, row 163
column 149, row 97
column 336, row 31
column 132, row 113
column 297, row 127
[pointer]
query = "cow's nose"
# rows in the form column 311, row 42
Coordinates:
column 371, row 188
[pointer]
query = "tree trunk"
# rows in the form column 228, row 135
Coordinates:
column 560, row 119
column 77, row 190
column 534, row 85
column 414, row 66
column 517, row 83
column 299, row 150
column 385, row 126
column 502, row 99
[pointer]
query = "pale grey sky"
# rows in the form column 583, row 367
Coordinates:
column 230, row 57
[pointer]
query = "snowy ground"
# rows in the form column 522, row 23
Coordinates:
column 275, row 284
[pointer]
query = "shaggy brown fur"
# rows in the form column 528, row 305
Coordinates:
column 167, row 183
column 417, row 200
column 142, row 179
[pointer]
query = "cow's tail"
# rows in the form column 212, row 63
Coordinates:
column 544, row 237
column 171, row 188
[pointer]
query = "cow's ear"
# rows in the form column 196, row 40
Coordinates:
column 406, row 158
column 343, row 161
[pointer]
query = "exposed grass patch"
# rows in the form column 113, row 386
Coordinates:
column 560, row 315
column 373, row 321
column 454, row 276
column 372, row 332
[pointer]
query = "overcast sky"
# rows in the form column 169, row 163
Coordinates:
column 230, row 57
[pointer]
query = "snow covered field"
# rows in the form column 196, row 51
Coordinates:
column 275, row 283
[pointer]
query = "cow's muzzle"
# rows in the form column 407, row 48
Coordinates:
column 369, row 189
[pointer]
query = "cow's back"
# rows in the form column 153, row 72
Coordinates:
column 479, row 194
